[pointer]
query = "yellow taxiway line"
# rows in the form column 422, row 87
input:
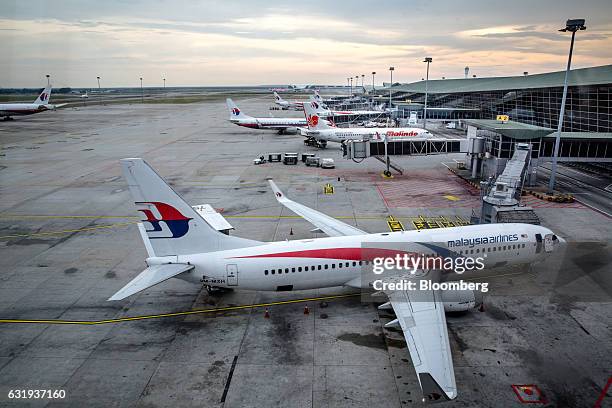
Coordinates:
column 175, row 314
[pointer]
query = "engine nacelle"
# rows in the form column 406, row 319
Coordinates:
column 459, row 300
column 291, row 130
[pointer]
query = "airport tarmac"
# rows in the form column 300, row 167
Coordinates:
column 68, row 241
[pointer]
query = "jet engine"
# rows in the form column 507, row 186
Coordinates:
column 460, row 300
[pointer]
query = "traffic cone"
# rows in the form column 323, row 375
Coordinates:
column 306, row 310
column 291, row 231
column 267, row 313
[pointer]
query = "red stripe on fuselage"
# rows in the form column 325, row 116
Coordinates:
column 351, row 254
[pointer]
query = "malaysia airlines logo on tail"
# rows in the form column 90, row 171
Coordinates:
column 176, row 223
column 43, row 96
column 236, row 111
column 314, row 105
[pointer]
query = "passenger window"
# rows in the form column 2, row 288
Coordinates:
column 273, row 272
column 300, row 269
column 326, row 266
column 354, row 263
column 319, row 267
column 266, row 272
column 360, row 263
column 347, row 264
column 293, row 270
column 286, row 270
column 333, row 266
column 478, row 250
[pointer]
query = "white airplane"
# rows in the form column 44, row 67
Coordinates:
column 84, row 96
column 295, row 105
column 184, row 243
column 326, row 131
column 283, row 125
column 41, row 104
column 321, row 107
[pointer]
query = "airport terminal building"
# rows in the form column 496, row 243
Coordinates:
column 532, row 103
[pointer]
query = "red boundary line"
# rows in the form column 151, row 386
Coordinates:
column 603, row 394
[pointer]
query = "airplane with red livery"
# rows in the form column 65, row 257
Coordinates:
column 182, row 243
column 282, row 125
column 324, row 131
column 41, row 104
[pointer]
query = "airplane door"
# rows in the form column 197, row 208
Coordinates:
column 548, row 243
column 232, row 274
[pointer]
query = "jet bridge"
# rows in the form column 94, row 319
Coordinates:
column 501, row 198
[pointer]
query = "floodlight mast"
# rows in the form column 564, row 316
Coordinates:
column 572, row 25
column 428, row 61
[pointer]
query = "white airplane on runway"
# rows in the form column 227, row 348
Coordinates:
column 41, row 104
column 326, row 131
column 281, row 124
column 183, row 243
column 295, row 105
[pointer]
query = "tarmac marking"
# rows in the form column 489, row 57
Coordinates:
column 175, row 314
column 98, row 227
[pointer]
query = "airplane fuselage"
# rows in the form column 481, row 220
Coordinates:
column 393, row 134
column 336, row 261
column 19, row 109
column 270, row 123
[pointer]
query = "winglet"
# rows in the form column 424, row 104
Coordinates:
column 277, row 192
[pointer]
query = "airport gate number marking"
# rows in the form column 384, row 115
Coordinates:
column 529, row 394
column 394, row 225
column 441, row 221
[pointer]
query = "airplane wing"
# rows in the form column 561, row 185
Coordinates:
column 151, row 276
column 324, row 223
column 421, row 317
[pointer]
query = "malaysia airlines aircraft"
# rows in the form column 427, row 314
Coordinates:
column 295, row 105
column 324, row 130
column 41, row 104
column 321, row 107
column 283, row 125
column 182, row 243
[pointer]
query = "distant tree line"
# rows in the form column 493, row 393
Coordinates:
column 13, row 91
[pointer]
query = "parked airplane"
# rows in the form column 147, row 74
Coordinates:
column 41, row 104
column 283, row 125
column 295, row 105
column 84, row 96
column 182, row 243
column 321, row 107
column 326, row 131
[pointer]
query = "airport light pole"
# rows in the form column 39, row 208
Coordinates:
column 373, row 73
column 391, row 69
column 141, row 91
column 164, row 83
column 99, row 91
column 356, row 83
column 351, row 78
column 362, row 79
column 48, row 80
column 428, row 61
column 571, row 26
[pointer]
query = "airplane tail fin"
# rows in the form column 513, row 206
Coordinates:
column 314, row 119
column 172, row 227
column 317, row 96
column 277, row 97
column 235, row 112
column 319, row 108
column 43, row 98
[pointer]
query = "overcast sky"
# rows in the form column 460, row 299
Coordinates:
column 293, row 42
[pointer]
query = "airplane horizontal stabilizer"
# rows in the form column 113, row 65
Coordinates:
column 150, row 277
